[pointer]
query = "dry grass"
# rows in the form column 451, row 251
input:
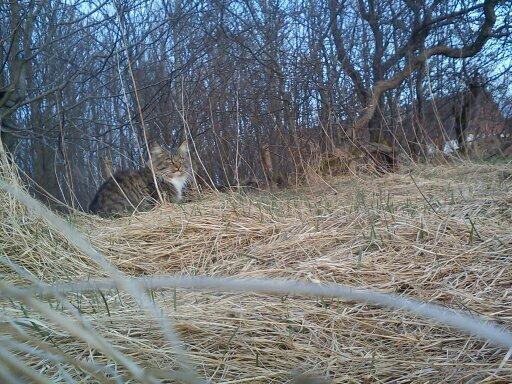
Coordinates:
column 442, row 235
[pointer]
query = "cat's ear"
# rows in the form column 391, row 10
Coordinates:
column 156, row 150
column 183, row 149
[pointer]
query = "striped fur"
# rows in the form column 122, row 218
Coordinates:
column 127, row 191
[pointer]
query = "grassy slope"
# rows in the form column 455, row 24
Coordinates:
column 445, row 239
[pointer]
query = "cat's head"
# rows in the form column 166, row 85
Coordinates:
column 170, row 165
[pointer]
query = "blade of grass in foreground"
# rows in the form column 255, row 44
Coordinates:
column 484, row 330
column 80, row 242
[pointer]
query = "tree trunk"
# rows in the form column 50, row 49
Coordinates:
column 461, row 125
column 376, row 124
column 9, row 142
column 417, row 122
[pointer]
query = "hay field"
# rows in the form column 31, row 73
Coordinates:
column 442, row 235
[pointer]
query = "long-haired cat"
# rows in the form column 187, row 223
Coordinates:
column 127, row 191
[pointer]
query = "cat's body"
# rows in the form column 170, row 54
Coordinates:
column 127, row 191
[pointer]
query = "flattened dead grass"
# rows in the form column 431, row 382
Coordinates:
column 440, row 234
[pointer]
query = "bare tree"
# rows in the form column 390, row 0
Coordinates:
column 257, row 85
column 426, row 28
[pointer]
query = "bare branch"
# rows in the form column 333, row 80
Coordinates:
column 342, row 54
column 415, row 62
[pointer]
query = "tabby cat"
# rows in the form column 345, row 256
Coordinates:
column 127, row 191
